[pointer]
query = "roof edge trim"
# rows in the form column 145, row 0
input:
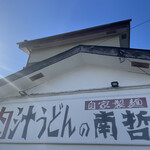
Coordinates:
column 99, row 50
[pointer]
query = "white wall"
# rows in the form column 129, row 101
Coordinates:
column 90, row 77
column 46, row 53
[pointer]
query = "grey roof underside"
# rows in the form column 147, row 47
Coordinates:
column 99, row 50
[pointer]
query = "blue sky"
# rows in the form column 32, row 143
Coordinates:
column 31, row 19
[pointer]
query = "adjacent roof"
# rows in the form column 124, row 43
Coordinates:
column 89, row 49
column 116, row 28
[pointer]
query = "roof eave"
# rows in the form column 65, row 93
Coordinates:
column 74, row 34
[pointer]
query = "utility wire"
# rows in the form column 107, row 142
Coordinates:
column 131, row 28
column 134, row 28
column 140, row 24
column 138, row 67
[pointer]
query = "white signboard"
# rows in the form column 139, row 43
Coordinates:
column 77, row 120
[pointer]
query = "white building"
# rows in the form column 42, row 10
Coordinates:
column 85, row 89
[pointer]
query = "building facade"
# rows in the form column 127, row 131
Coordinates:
column 85, row 89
